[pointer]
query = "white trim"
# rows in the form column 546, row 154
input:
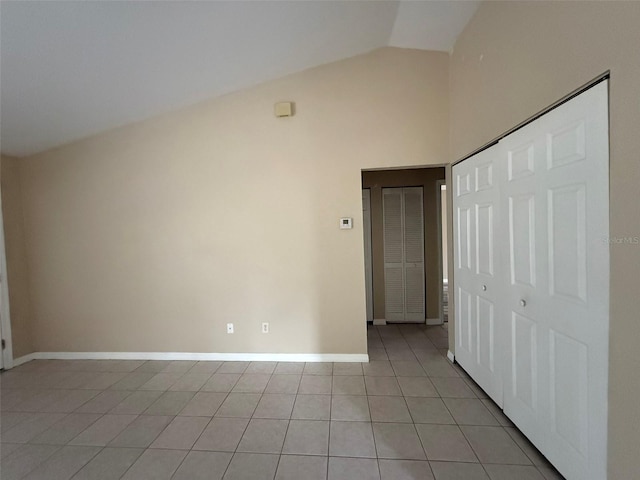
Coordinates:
column 5, row 312
column 434, row 321
column 439, row 185
column 451, row 356
column 379, row 321
column 227, row 357
column 24, row 359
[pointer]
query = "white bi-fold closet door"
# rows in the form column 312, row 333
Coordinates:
column 477, row 281
column 403, row 233
column 543, row 322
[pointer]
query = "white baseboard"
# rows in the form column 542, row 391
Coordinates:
column 379, row 321
column 451, row 356
column 225, row 357
column 24, row 359
column 434, row 321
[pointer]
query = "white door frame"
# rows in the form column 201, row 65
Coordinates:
column 5, row 319
column 439, row 185
column 368, row 252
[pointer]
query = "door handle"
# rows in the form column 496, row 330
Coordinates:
column 523, row 303
column 484, row 288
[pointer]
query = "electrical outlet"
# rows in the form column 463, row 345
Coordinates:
column 229, row 327
column 265, row 327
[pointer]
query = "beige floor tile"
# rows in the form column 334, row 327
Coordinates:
column 288, row 368
column 155, row 465
column 179, row 366
column 169, row 403
column 494, row 445
column 253, row 466
column 348, row 368
column 203, row 466
column 417, row 387
column 351, row 439
column 458, row 471
column 307, row 437
column 233, row 367
column 404, row 470
column 25, row 459
column 203, row 404
column 296, row 467
column 103, row 430
column 429, row 410
column 378, row 368
column 397, row 440
column 277, row 406
column 470, row 411
column 104, row 401
column 312, row 407
column 510, row 472
column 382, row 386
column 389, row 409
column 350, row 408
column 445, row 442
column 161, row 381
column 190, row 382
column 251, row 383
column 31, row 427
column 352, row 468
column 452, row 387
column 410, row 368
column 348, row 385
column 263, row 436
column 181, row 433
column 261, row 367
column 63, row 431
column 141, row 432
column 318, row 368
column 64, row 463
column 315, row 384
column 206, row 367
column 221, row 382
column 283, row 384
column 109, row 464
column 222, row 434
column 153, row 366
column 133, row 380
column 136, row 403
column 239, row 405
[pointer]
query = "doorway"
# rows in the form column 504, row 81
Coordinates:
column 417, row 280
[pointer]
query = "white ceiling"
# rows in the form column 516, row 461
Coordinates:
column 72, row 69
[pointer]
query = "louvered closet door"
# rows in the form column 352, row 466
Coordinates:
column 555, row 187
column 403, row 254
column 479, row 329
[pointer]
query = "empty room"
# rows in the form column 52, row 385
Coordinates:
column 319, row 240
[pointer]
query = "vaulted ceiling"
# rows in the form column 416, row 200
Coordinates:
column 72, row 69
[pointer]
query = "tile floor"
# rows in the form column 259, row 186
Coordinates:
column 408, row 414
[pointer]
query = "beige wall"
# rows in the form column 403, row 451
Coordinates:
column 153, row 236
column 16, row 259
column 422, row 177
column 514, row 59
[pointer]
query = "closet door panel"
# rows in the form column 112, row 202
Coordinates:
column 414, row 255
column 393, row 254
column 478, row 338
column 403, row 227
column 558, row 290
